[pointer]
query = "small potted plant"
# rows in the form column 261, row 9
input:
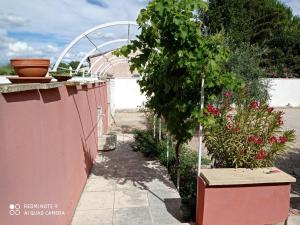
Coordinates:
column 61, row 76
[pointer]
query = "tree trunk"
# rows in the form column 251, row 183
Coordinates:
column 177, row 150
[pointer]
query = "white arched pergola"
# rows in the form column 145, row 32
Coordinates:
column 107, row 63
column 98, row 47
column 110, row 65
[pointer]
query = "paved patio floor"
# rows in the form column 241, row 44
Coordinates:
column 127, row 189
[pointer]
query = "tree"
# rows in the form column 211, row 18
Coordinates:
column 245, row 62
column 172, row 56
column 7, row 70
column 74, row 64
column 268, row 23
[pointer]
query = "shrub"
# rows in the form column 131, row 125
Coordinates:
column 245, row 62
column 151, row 147
column 145, row 143
column 249, row 136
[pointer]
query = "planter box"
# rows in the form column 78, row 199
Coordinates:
column 243, row 196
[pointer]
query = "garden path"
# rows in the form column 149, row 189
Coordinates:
column 126, row 188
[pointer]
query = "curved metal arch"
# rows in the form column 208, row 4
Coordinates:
column 107, row 62
column 97, row 60
column 84, row 34
column 95, row 49
column 121, row 61
column 114, row 62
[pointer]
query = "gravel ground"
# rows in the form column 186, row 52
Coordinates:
column 291, row 161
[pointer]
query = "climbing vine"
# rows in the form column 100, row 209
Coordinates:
column 172, row 53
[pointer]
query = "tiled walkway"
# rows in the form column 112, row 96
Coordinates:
column 127, row 189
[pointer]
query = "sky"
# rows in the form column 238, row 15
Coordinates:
column 43, row 28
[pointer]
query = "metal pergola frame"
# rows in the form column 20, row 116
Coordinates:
column 112, row 63
column 96, row 48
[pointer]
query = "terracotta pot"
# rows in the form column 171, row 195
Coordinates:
column 30, row 67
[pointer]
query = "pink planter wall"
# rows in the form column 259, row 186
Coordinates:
column 242, row 204
column 48, row 140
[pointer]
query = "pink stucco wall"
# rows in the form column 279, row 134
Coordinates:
column 48, row 140
column 242, row 204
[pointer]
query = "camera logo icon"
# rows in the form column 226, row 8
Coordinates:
column 14, row 209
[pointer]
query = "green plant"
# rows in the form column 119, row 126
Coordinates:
column 172, row 56
column 251, row 135
column 145, row 143
column 165, row 153
column 268, row 23
column 6, row 70
column 245, row 62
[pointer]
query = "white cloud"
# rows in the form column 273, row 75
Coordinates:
column 61, row 19
column 20, row 48
column 11, row 20
column 52, row 48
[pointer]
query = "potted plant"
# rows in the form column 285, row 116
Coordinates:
column 251, row 135
column 61, row 76
column 244, row 143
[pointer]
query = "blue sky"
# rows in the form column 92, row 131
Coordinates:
column 42, row 28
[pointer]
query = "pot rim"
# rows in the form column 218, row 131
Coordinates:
column 30, row 59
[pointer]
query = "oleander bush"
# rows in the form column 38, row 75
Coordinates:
column 249, row 135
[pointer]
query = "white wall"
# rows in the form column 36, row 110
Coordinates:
column 125, row 94
column 284, row 92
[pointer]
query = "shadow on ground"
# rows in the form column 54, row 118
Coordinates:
column 132, row 169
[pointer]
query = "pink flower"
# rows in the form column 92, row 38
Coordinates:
column 279, row 118
column 251, row 138
column 262, row 154
column 255, row 139
column 227, row 93
column 254, row 105
column 282, row 140
column 270, row 109
column 211, row 109
column 259, row 141
column 272, row 140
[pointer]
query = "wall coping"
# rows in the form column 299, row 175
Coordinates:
column 243, row 176
column 10, row 88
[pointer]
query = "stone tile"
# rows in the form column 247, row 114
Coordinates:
column 163, row 199
column 96, row 200
column 127, row 199
column 132, row 216
column 93, row 217
column 100, row 184
column 128, row 184
column 165, row 215
column 160, row 184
